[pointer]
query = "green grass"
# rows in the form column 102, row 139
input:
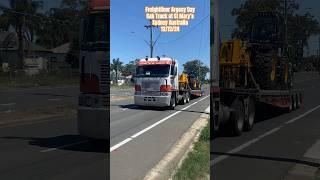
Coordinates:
column 38, row 80
column 197, row 163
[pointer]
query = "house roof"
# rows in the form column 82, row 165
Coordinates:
column 63, row 49
column 9, row 42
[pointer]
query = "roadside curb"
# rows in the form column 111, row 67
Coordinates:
column 167, row 166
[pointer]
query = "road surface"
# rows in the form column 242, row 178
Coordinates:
column 50, row 149
column 15, row 99
column 140, row 138
column 276, row 143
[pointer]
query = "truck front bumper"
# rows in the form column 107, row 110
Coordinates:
column 155, row 101
column 93, row 122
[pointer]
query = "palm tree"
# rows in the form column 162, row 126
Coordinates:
column 117, row 66
column 21, row 16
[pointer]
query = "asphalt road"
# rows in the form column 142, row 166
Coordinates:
column 15, row 99
column 277, row 142
column 50, row 150
column 141, row 137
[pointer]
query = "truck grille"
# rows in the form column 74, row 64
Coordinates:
column 150, row 85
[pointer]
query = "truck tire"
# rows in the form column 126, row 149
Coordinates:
column 249, row 122
column 172, row 102
column 237, row 118
column 262, row 69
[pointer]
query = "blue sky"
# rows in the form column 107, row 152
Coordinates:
column 227, row 22
column 128, row 32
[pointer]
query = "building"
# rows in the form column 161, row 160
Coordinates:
column 9, row 50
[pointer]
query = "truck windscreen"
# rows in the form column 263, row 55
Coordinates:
column 153, row 71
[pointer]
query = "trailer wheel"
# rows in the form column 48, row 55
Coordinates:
column 184, row 99
column 188, row 97
column 294, row 102
column 298, row 100
column 248, row 124
column 289, row 108
column 237, row 117
column 172, row 102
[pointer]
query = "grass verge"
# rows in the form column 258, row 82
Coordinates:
column 197, row 163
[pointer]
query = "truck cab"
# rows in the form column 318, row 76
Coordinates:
column 156, row 82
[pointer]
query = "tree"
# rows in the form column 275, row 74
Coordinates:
column 62, row 25
column 196, row 68
column 300, row 27
column 21, row 16
column 116, row 66
column 130, row 68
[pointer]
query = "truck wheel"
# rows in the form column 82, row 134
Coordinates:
column 237, row 117
column 172, row 102
column 248, row 124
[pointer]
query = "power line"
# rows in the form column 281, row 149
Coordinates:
column 186, row 32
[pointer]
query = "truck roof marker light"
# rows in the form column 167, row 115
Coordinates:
column 146, row 58
column 158, row 58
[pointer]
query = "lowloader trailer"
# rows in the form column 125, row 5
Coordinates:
column 247, row 74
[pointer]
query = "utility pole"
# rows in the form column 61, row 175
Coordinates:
column 286, row 22
column 151, row 43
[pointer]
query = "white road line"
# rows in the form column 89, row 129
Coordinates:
column 302, row 115
column 8, row 104
column 64, row 146
column 245, row 145
column 152, row 126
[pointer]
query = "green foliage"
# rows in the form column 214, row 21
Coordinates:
column 196, row 68
column 300, row 27
column 129, row 69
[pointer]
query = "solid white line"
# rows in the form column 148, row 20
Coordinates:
column 67, row 145
column 8, row 104
column 152, row 126
column 241, row 147
column 302, row 115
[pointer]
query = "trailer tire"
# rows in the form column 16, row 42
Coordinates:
column 289, row 109
column 188, row 97
column 294, row 102
column 249, row 122
column 184, row 99
column 298, row 100
column 237, row 117
column 172, row 102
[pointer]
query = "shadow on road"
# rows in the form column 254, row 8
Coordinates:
column 281, row 159
column 51, row 94
column 66, row 142
column 135, row 107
